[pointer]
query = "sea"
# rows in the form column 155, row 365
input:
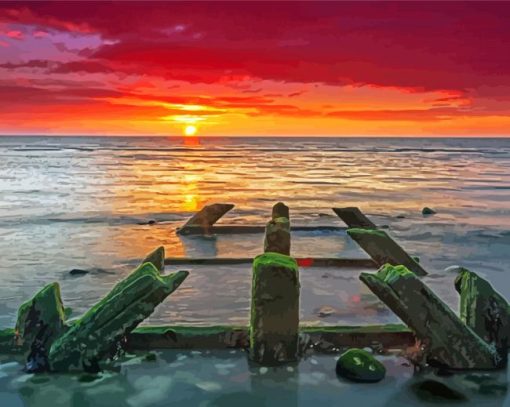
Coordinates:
column 100, row 204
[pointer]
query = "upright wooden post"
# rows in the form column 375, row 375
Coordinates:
column 274, row 320
column 277, row 238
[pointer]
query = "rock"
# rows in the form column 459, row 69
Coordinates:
column 274, row 322
column 78, row 272
column 325, row 311
column 434, row 390
column 400, row 216
column 416, row 259
column 427, row 211
column 151, row 222
column 360, row 366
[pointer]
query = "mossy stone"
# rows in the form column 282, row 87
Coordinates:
column 360, row 366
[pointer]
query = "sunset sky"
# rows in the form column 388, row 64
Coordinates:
column 255, row 69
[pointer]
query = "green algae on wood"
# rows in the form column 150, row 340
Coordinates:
column 448, row 340
column 41, row 318
column 383, row 249
column 131, row 301
column 274, row 321
column 484, row 310
column 157, row 258
column 360, row 366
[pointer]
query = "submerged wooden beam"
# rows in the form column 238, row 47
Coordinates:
column 206, row 217
column 237, row 337
column 302, row 262
column 354, row 218
column 248, row 229
column 447, row 339
column 383, row 249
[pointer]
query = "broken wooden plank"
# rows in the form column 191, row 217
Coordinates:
column 131, row 301
column 484, row 310
column 252, row 229
column 274, row 315
column 383, row 249
column 157, row 258
column 206, row 217
column 302, row 261
column 447, row 339
column 354, row 218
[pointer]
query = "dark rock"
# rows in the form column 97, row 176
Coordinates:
column 79, row 272
column 427, row 211
column 150, row 357
column 433, row 390
column 400, row 217
column 360, row 366
column 151, row 222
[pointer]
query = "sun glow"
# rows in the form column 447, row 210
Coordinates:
column 190, row 131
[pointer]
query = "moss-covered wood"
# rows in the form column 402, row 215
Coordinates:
column 157, row 258
column 359, row 365
column 277, row 237
column 484, row 310
column 447, row 339
column 131, row 301
column 274, row 321
column 206, row 217
column 354, row 218
column 383, row 249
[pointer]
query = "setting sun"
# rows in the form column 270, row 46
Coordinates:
column 190, row 130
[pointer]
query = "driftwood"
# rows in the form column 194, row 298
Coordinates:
column 206, row 218
column 129, row 303
column 448, row 341
column 383, row 249
column 484, row 310
column 354, row 218
column 274, row 323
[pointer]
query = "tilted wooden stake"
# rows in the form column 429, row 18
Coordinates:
column 448, row 340
column 484, row 310
column 354, row 218
column 206, row 217
column 383, row 249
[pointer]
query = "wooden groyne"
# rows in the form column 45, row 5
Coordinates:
column 476, row 339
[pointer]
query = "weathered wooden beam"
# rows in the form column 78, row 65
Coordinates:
column 383, row 249
column 484, row 310
column 237, row 337
column 206, row 217
column 302, row 261
column 277, row 236
column 131, row 301
column 280, row 210
column 252, row 229
column 354, row 218
column 448, row 341
column 274, row 314
column 157, row 258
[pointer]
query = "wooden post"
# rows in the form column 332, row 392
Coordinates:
column 484, row 310
column 205, row 218
column 274, row 322
column 448, row 341
column 277, row 237
column 354, row 218
column 383, row 249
